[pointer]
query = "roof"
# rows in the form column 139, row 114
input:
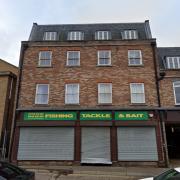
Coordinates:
column 89, row 30
column 5, row 66
column 164, row 52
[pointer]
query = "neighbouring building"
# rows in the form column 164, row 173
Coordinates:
column 8, row 78
column 88, row 93
column 169, row 84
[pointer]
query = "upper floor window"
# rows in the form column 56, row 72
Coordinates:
column 137, row 93
column 104, row 57
column 42, row 94
column 102, row 35
column 75, row 35
column 134, row 57
column 176, row 87
column 73, row 58
column 45, row 58
column 173, row 62
column 50, row 36
column 130, row 34
column 72, row 94
column 104, row 93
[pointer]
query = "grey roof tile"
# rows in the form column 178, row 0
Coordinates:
column 89, row 30
column 164, row 52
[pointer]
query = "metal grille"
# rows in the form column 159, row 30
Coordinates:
column 137, row 144
column 46, row 143
column 96, row 145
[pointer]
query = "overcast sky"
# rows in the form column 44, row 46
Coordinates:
column 17, row 17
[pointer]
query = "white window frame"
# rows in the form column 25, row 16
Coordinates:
column 174, row 86
column 39, row 63
column 130, row 34
column 140, row 58
column 102, row 35
column 109, row 59
column 172, row 59
column 67, row 62
column 37, row 94
column 66, row 99
column 75, row 36
column 50, row 36
column 143, row 93
column 99, row 102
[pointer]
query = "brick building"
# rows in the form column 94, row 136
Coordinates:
column 169, row 84
column 8, row 77
column 88, row 94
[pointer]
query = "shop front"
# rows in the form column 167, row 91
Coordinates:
column 172, row 126
column 88, row 137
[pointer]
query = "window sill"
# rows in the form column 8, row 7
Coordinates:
column 41, row 105
column 75, row 66
column 138, row 104
column 72, row 104
column 44, row 66
column 104, row 65
column 177, row 105
column 172, row 69
column 104, row 104
column 139, row 65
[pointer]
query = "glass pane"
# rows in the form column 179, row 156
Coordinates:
column 104, row 61
column 73, row 55
column 177, row 93
column 72, row 98
column 73, row 62
column 41, row 99
column 105, row 88
column 45, row 62
column 137, row 88
column 175, row 63
column 134, row 61
column 42, row 89
column 105, row 98
column 138, row 98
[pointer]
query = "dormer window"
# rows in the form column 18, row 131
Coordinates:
column 173, row 62
column 75, row 36
column 102, row 35
column 50, row 36
column 129, row 34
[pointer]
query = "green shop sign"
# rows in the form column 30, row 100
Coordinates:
column 95, row 115
column 50, row 116
column 131, row 115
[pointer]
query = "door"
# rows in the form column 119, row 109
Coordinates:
column 95, row 145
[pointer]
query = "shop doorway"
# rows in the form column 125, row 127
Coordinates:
column 173, row 141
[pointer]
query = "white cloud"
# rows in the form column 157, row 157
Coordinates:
column 16, row 18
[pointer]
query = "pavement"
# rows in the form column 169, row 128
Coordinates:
column 93, row 172
column 96, row 172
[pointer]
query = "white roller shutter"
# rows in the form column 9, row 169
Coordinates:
column 137, row 144
column 95, row 145
column 46, row 143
